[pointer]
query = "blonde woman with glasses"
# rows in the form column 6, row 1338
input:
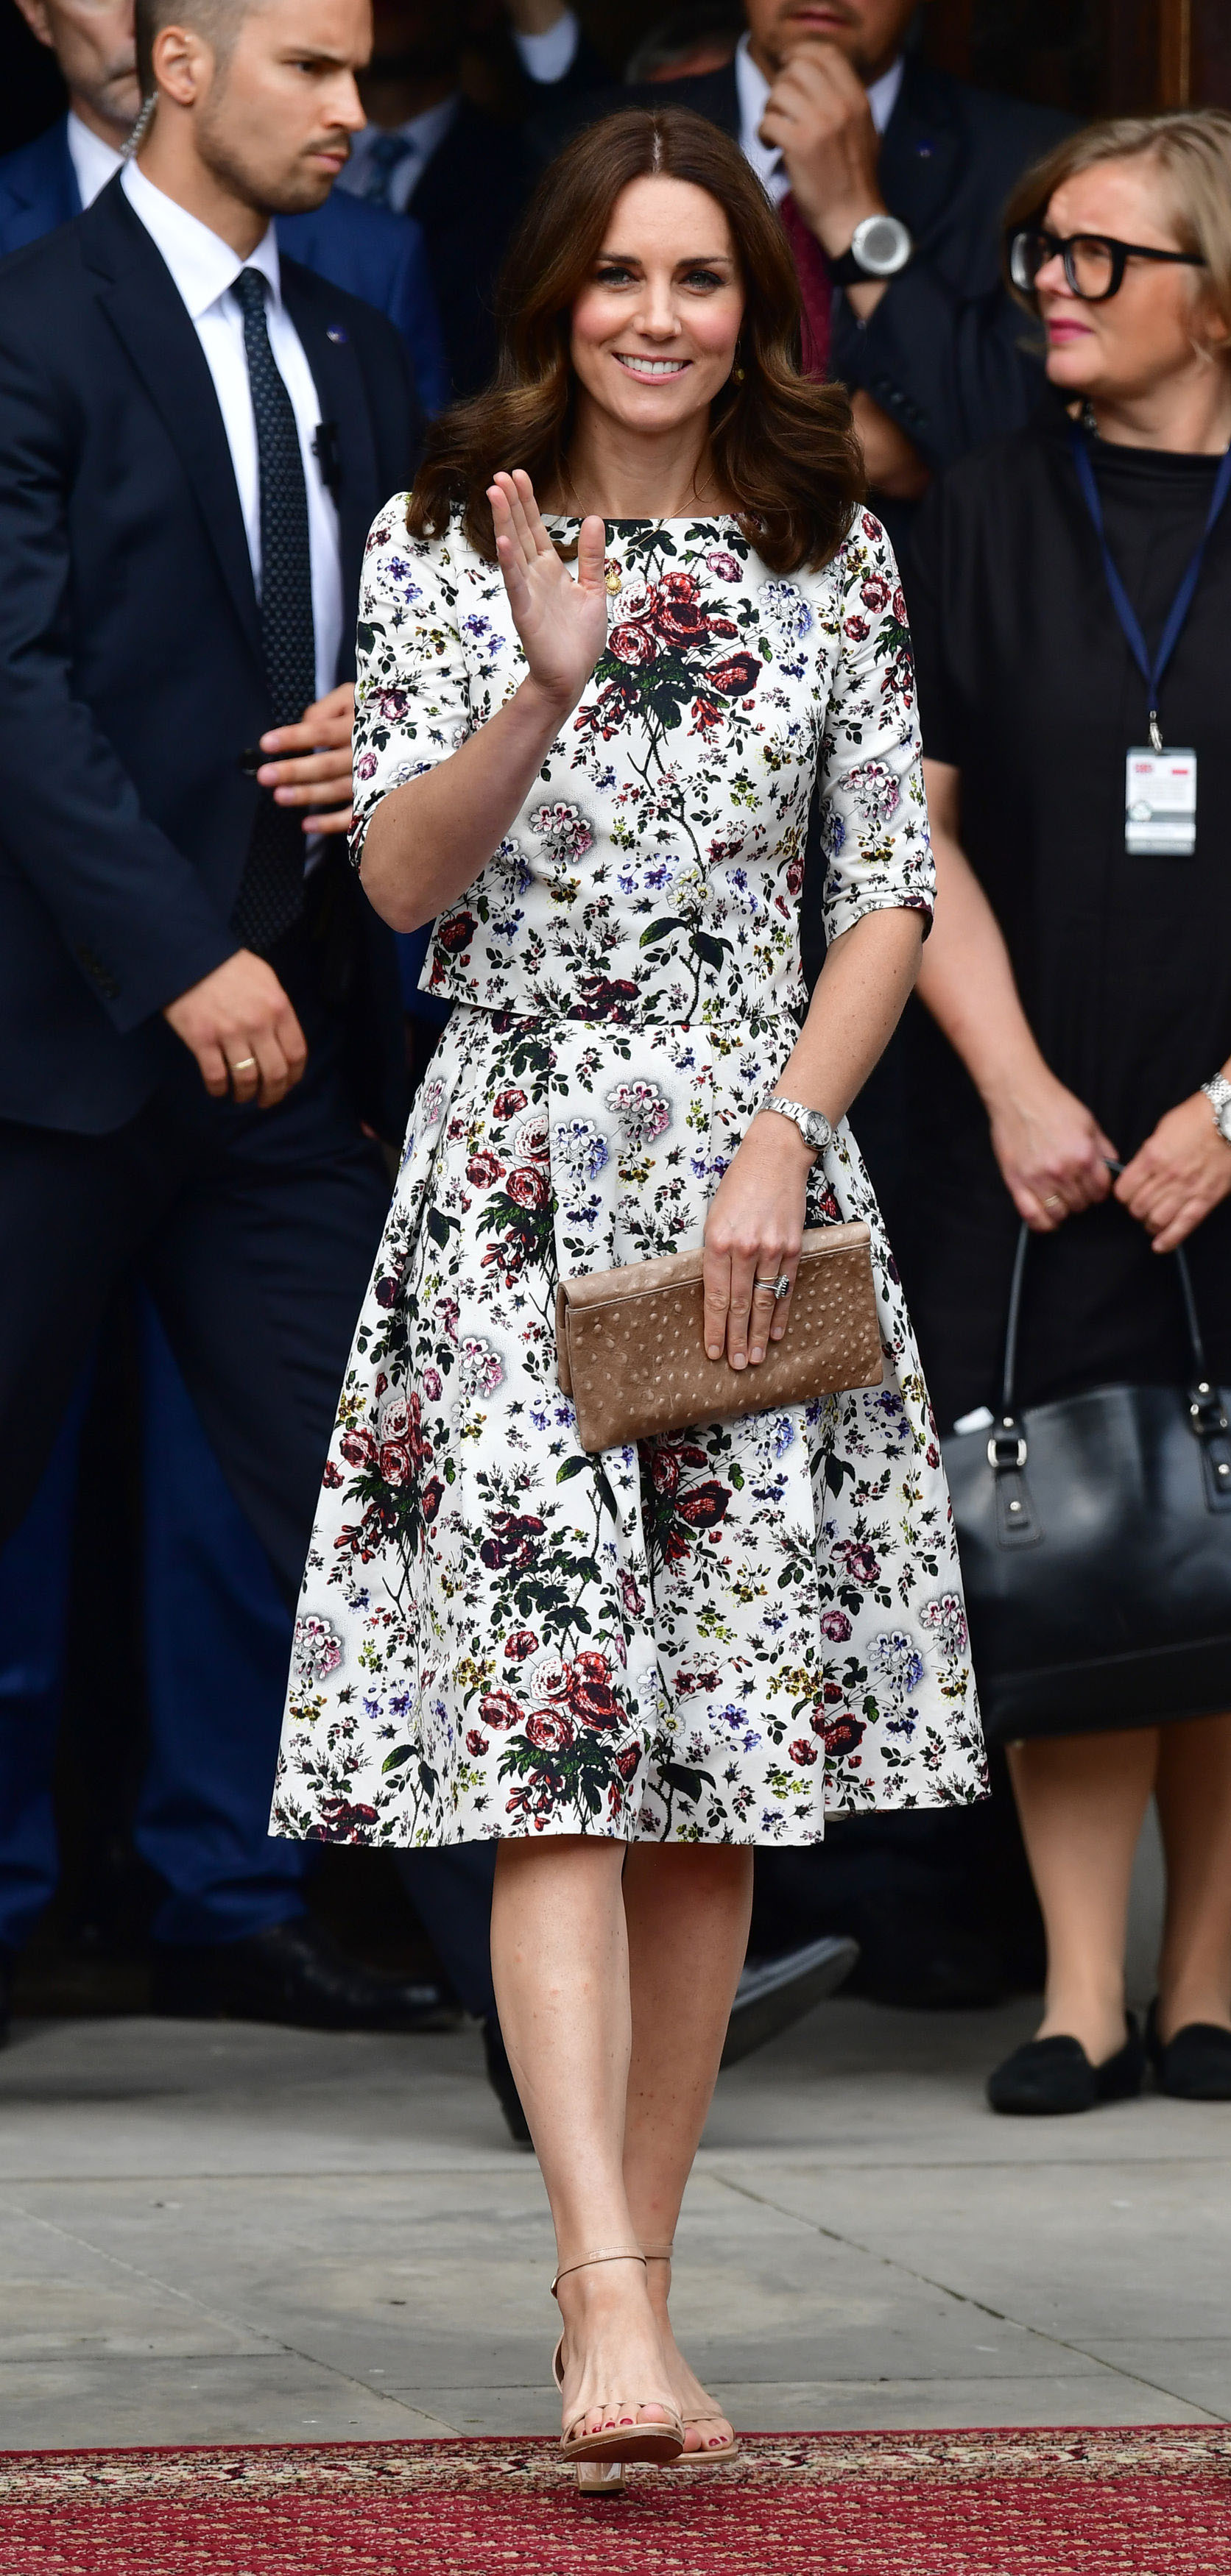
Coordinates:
column 1071, row 605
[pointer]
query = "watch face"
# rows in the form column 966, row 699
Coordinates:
column 881, row 245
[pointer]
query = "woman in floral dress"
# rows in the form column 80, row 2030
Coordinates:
column 587, row 748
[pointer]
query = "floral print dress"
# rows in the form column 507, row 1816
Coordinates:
column 723, row 1635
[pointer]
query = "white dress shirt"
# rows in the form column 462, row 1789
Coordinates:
column 204, row 269
column 544, row 59
column 94, row 162
column 752, row 90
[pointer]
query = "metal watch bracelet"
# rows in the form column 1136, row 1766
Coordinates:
column 813, row 1125
column 1218, row 1093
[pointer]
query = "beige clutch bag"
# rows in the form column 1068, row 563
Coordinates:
column 632, row 1355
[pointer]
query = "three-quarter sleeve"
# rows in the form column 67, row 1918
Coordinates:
column 873, row 813
column 412, row 699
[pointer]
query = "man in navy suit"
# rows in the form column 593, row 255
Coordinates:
column 47, row 182
column 129, row 818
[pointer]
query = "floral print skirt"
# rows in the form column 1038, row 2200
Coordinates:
column 718, row 1636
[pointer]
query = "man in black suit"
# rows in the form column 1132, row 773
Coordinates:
column 198, row 1013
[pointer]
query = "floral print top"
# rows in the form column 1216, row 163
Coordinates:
column 653, row 874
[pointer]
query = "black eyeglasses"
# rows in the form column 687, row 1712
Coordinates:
column 1093, row 262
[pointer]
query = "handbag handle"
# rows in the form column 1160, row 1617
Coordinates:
column 1006, row 1448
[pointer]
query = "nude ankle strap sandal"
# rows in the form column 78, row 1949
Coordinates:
column 705, row 2456
column 661, row 2440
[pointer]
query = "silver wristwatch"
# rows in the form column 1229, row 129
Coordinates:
column 813, row 1125
column 1218, row 1093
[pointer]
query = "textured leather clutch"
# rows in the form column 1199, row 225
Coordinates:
column 631, row 1347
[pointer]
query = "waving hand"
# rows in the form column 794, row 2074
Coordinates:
column 562, row 622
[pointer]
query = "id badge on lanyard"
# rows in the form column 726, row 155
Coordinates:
column 1160, row 786
column 1160, row 803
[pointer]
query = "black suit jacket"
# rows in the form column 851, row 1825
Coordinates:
column 131, row 676
column 466, row 205
column 947, row 353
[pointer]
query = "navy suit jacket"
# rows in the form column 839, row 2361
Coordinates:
column 131, row 673
column 373, row 254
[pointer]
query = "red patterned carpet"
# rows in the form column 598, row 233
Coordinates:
column 1139, row 2503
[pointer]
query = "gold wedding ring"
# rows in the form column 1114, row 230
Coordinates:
column 778, row 1288
column 244, row 1064
column 1052, row 1203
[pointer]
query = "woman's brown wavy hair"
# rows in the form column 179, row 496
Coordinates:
column 783, row 445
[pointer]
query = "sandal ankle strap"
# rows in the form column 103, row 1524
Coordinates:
column 658, row 2253
column 606, row 2254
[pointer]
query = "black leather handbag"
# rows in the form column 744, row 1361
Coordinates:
column 1095, row 1539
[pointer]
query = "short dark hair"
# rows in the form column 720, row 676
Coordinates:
column 783, row 444
column 219, row 21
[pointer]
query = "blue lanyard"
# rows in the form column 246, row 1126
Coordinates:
column 1151, row 672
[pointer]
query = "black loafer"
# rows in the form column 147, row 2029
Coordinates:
column 1195, row 2063
column 1055, row 2075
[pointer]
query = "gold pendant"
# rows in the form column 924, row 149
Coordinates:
column 613, row 578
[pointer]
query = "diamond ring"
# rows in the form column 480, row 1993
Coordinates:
column 778, row 1288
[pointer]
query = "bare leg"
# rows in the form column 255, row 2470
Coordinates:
column 1194, row 1809
column 1081, row 1799
column 687, row 1909
column 560, row 1965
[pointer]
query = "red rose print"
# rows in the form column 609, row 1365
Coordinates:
column 507, row 1103
column 523, row 1642
column 483, row 1170
column 476, row 1744
column 627, row 1758
column 358, row 1448
column 431, row 1498
column 843, row 1734
column 509, row 1543
column 455, row 932
column 705, row 1506
column 499, row 1708
column 665, row 1470
column 681, row 622
column 735, row 676
column 835, row 1625
column 591, row 1696
column 528, row 1187
column 860, row 1563
column 549, row 1730
column 803, row 1752
column 633, row 644
column 395, row 1462
column 332, row 1476
column 874, row 592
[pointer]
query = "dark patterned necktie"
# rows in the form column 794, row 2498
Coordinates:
column 270, row 897
column 815, row 288
column 383, row 155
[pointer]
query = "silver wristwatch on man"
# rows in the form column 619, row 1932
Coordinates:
column 813, row 1125
column 1218, row 1093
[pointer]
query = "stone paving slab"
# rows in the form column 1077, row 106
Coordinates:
column 215, row 2232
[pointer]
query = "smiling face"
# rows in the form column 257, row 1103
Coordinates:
column 1162, row 314
column 655, row 331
